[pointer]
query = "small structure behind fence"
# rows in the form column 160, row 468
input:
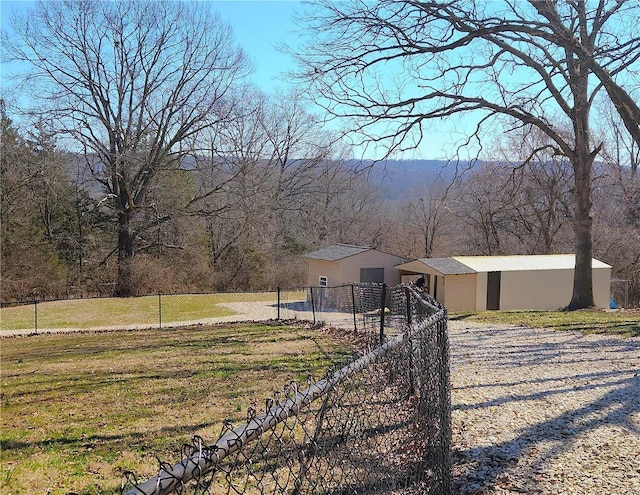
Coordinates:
column 380, row 424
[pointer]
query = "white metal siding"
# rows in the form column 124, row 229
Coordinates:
column 371, row 259
column 548, row 289
column 536, row 289
column 460, row 292
column 602, row 287
column 481, row 291
column 320, row 268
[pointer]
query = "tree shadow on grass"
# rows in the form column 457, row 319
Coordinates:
column 91, row 441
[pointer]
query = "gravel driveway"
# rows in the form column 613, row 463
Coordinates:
column 544, row 412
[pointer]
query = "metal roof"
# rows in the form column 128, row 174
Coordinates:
column 524, row 262
column 445, row 266
column 336, row 252
column 459, row 265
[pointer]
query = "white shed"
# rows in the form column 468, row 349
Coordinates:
column 477, row 283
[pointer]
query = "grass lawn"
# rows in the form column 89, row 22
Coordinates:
column 120, row 312
column 625, row 324
column 80, row 408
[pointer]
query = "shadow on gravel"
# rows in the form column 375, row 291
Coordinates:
column 489, row 469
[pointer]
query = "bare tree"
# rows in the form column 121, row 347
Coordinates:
column 424, row 217
column 129, row 82
column 266, row 171
column 392, row 67
column 619, row 149
column 539, row 185
column 525, row 210
column 483, row 206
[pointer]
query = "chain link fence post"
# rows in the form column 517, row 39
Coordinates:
column 313, row 305
column 35, row 314
column 407, row 298
column 383, row 301
column 444, row 402
column 278, row 304
column 353, row 305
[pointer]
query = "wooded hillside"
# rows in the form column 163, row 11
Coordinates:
column 58, row 236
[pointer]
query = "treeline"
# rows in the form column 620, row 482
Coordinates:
column 261, row 212
column 205, row 223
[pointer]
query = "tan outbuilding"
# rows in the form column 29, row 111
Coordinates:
column 478, row 283
column 343, row 264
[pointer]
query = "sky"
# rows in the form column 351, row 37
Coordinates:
column 259, row 26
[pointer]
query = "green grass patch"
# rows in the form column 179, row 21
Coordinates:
column 625, row 324
column 121, row 312
column 79, row 409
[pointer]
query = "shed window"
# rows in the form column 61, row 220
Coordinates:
column 324, row 281
column 372, row 275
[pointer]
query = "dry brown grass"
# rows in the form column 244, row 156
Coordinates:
column 78, row 409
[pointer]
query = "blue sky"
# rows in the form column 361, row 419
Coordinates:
column 258, row 27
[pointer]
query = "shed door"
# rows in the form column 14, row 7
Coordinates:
column 372, row 275
column 493, row 290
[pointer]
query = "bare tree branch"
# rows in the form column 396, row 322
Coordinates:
column 390, row 69
column 129, row 82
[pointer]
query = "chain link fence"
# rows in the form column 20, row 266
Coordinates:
column 151, row 311
column 343, row 306
column 379, row 424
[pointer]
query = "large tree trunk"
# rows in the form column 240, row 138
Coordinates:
column 582, row 279
column 582, row 162
column 124, row 283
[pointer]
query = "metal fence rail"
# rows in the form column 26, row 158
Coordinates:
column 380, row 424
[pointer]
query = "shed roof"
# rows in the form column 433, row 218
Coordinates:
column 444, row 266
column 524, row 262
column 336, row 252
column 459, row 265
